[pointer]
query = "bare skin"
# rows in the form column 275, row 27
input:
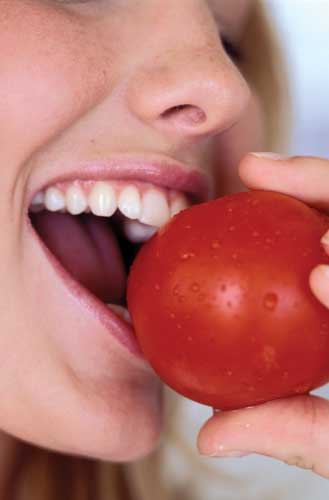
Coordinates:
column 84, row 81
column 293, row 430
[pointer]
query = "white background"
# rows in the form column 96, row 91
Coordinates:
column 304, row 30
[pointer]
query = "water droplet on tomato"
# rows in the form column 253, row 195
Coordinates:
column 231, row 228
column 255, row 234
column 195, row 287
column 303, row 388
column 187, row 255
column 172, row 315
column 234, row 256
column 157, row 287
column 229, row 373
column 181, row 298
column 215, row 244
column 269, row 356
column 270, row 301
column 175, row 290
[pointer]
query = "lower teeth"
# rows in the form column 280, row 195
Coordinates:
column 136, row 232
column 120, row 311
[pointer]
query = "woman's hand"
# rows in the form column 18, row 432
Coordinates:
column 294, row 430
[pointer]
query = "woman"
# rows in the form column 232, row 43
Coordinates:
column 156, row 95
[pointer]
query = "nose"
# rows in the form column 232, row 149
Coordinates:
column 188, row 90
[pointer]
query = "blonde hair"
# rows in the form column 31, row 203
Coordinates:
column 46, row 475
column 265, row 69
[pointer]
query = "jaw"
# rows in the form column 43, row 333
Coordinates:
column 86, row 387
column 78, row 388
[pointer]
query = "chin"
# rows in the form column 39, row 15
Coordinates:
column 123, row 430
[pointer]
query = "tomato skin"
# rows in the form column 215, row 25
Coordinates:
column 221, row 304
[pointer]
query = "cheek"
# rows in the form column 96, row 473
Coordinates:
column 247, row 135
column 52, row 74
column 48, row 75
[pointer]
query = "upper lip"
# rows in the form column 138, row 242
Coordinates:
column 156, row 169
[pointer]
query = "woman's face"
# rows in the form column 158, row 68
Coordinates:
column 84, row 83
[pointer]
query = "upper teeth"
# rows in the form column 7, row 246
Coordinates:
column 148, row 204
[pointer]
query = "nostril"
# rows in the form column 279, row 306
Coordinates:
column 186, row 114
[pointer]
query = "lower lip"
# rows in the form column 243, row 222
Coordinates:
column 116, row 327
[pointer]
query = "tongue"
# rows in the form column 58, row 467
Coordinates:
column 88, row 248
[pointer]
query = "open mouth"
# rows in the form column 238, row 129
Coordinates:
column 94, row 229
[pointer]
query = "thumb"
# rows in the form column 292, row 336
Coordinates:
column 303, row 177
column 294, row 430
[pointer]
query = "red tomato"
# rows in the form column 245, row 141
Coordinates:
column 221, row 303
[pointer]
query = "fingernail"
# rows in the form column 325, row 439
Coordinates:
column 325, row 239
column 270, row 156
column 221, row 452
column 226, row 454
column 324, row 270
column 234, row 454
